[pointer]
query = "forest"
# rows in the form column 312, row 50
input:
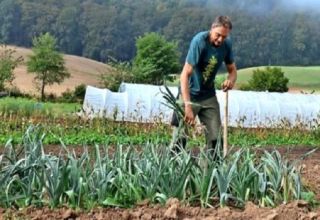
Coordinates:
column 264, row 32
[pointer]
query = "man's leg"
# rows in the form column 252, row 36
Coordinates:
column 209, row 115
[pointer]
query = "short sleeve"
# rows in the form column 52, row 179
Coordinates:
column 194, row 52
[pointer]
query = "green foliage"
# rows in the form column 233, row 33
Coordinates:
column 120, row 72
column 23, row 108
column 304, row 77
column 8, row 62
column 47, row 63
column 218, row 81
column 15, row 92
column 156, row 58
column 270, row 79
column 80, row 91
column 122, row 176
column 69, row 96
column 100, row 29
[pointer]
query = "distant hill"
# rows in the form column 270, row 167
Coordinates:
column 82, row 70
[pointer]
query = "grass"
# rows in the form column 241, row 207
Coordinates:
column 307, row 78
column 25, row 106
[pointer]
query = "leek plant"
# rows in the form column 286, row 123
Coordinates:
column 124, row 175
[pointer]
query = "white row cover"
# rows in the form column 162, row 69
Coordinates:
column 144, row 103
column 133, row 102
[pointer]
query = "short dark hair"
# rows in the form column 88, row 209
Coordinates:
column 224, row 21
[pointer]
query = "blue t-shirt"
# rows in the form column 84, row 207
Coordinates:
column 199, row 55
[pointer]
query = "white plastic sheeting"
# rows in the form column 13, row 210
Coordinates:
column 271, row 109
column 133, row 102
column 144, row 103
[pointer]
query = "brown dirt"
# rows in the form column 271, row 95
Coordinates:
column 298, row 90
column 82, row 70
column 175, row 210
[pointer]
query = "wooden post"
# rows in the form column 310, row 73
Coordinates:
column 225, row 125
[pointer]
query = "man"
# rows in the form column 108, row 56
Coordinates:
column 207, row 51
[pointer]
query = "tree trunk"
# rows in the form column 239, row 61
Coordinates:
column 42, row 90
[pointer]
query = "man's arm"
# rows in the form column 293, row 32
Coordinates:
column 232, row 77
column 185, row 92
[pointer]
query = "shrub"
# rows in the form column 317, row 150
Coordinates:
column 16, row 92
column 120, row 72
column 72, row 96
column 218, row 81
column 79, row 92
column 270, row 79
column 50, row 97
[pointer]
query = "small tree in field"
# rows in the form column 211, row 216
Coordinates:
column 270, row 79
column 7, row 64
column 47, row 63
column 156, row 58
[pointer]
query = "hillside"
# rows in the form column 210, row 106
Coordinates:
column 82, row 70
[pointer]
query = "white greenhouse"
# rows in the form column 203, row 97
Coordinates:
column 144, row 103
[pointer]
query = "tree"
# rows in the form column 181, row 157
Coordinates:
column 46, row 63
column 270, row 79
column 155, row 59
column 7, row 64
column 10, row 29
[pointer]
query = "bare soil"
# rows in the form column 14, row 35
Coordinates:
column 175, row 210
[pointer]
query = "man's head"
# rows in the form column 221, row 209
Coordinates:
column 220, row 30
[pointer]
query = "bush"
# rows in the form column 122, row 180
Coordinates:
column 218, row 81
column 120, row 72
column 79, row 92
column 75, row 96
column 16, row 92
column 50, row 97
column 270, row 79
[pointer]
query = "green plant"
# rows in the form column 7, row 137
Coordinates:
column 7, row 64
column 270, row 79
column 120, row 72
column 47, row 63
column 156, row 58
column 123, row 175
column 79, row 93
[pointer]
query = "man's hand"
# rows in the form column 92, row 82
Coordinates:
column 227, row 85
column 188, row 114
column 232, row 77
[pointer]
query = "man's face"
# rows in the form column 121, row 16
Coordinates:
column 218, row 35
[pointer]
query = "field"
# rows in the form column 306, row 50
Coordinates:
column 300, row 78
column 83, row 71
column 100, row 169
column 55, row 164
column 173, row 209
